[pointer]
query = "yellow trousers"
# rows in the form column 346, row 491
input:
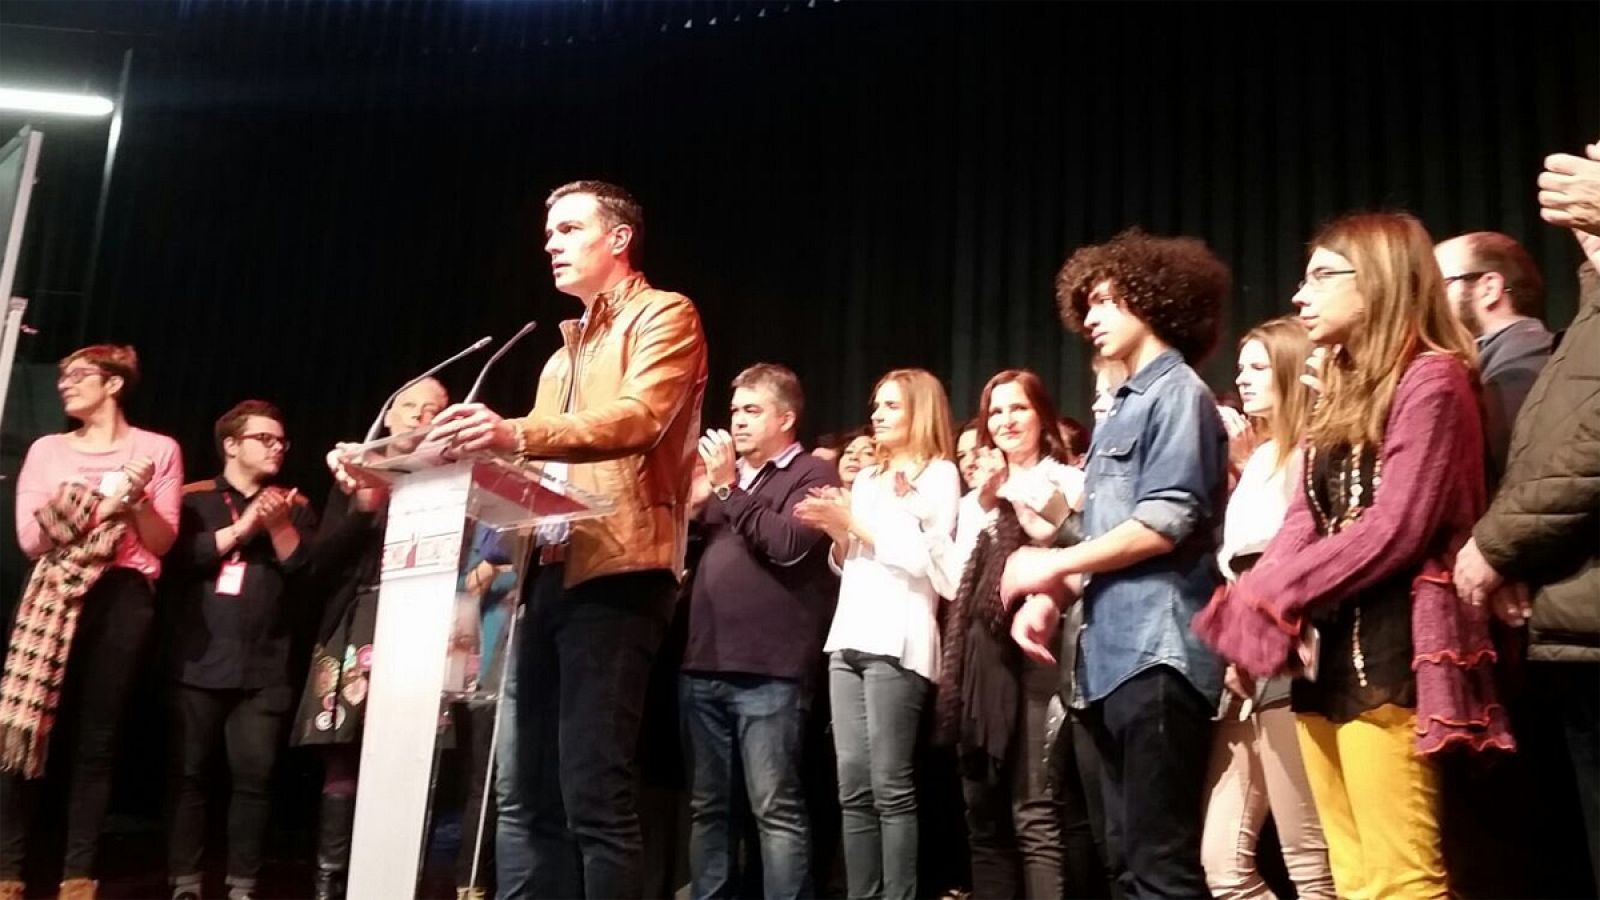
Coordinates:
column 1378, row 802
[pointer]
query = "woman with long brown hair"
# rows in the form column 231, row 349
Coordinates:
column 1355, row 588
column 884, row 643
column 993, row 705
column 1256, row 765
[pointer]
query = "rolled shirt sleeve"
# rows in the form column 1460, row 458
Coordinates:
column 1186, row 441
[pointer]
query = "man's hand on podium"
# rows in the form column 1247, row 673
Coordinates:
column 472, row 427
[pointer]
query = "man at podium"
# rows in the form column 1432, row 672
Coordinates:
column 617, row 413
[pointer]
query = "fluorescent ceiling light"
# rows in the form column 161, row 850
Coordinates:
column 55, row 102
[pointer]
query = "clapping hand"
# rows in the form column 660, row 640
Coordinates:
column 827, row 508
column 989, row 475
column 139, row 471
column 268, row 510
column 1569, row 190
column 1241, row 436
column 716, row 450
column 1315, row 364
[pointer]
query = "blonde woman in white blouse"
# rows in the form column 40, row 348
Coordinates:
column 884, row 644
column 1255, row 758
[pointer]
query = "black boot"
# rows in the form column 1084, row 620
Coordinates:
column 333, row 845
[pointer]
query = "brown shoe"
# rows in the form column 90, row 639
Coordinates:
column 11, row 890
column 77, row 889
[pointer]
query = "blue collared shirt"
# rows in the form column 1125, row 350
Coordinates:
column 1159, row 458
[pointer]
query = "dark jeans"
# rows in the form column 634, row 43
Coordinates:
column 100, row 669
column 1154, row 736
column 754, row 726
column 1013, row 812
column 877, row 707
column 249, row 723
column 572, row 705
column 1075, row 765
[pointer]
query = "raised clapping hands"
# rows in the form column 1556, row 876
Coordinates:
column 1241, row 436
column 1039, row 505
column 138, row 473
column 1312, row 378
column 716, row 451
column 827, row 508
column 269, row 510
column 990, row 474
column 1569, row 190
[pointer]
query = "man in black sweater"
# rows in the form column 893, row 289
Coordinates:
column 760, row 607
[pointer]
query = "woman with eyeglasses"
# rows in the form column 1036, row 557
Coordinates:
column 1353, row 594
column 1256, row 766
column 97, row 508
column 883, row 645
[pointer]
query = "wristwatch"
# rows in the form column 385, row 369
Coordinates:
column 723, row 491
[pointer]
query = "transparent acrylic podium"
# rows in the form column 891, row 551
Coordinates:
column 423, row 659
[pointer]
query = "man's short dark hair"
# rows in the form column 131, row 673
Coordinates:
column 1491, row 251
column 617, row 207
column 232, row 423
column 1175, row 285
column 779, row 381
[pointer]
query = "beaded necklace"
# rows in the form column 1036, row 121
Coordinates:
column 1348, row 486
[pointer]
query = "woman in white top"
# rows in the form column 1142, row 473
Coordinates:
column 1255, row 757
column 884, row 644
column 992, row 703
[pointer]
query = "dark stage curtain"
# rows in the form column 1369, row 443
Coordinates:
column 313, row 201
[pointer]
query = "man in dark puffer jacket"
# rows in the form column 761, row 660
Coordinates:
column 1543, row 530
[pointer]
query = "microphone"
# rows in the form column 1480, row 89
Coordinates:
column 472, row 395
column 377, row 423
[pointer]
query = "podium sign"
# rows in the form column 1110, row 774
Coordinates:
column 434, row 510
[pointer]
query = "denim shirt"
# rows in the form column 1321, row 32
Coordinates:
column 1160, row 458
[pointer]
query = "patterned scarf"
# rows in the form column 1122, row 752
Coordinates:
column 41, row 641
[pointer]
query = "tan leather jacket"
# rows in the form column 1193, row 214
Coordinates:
column 629, row 422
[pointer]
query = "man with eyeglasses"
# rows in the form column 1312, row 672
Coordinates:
column 1496, row 291
column 240, row 541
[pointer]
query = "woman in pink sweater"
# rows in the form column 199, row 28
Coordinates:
column 97, row 507
column 1354, row 592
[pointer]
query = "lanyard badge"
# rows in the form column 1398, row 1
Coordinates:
column 230, row 578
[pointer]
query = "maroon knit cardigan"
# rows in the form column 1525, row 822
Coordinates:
column 1431, row 495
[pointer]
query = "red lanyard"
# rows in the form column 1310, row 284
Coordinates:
column 238, row 542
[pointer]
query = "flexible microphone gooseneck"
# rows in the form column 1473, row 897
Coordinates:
column 377, row 423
